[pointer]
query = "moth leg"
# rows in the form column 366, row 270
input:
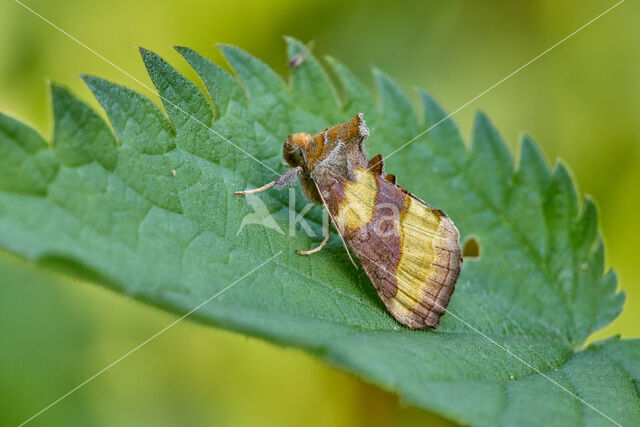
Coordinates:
column 320, row 246
column 324, row 203
column 279, row 183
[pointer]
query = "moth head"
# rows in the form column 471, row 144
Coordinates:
column 295, row 149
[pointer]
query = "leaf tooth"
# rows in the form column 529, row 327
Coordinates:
column 184, row 101
column 488, row 141
column 356, row 98
column 560, row 209
column 585, row 229
column 597, row 257
column 80, row 135
column 609, row 306
column 610, row 281
column 222, row 86
column 137, row 121
column 442, row 128
column 562, row 195
column 590, row 267
column 21, row 134
column 266, row 92
column 528, row 190
column 533, row 168
column 490, row 152
column 399, row 123
column 311, row 87
column 258, row 79
column 146, row 136
column 28, row 164
column 433, row 113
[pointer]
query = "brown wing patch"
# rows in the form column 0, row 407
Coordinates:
column 409, row 250
column 355, row 207
column 376, row 165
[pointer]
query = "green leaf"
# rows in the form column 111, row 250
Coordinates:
column 222, row 87
column 311, row 89
column 150, row 212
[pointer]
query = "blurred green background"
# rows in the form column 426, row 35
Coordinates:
column 581, row 102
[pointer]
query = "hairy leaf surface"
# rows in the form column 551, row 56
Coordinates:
column 144, row 204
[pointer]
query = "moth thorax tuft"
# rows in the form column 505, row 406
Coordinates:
column 362, row 125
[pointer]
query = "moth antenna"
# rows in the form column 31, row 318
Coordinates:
column 336, row 225
column 280, row 182
column 255, row 190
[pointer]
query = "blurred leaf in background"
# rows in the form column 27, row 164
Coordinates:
column 581, row 102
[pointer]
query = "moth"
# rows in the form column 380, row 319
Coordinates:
column 409, row 250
